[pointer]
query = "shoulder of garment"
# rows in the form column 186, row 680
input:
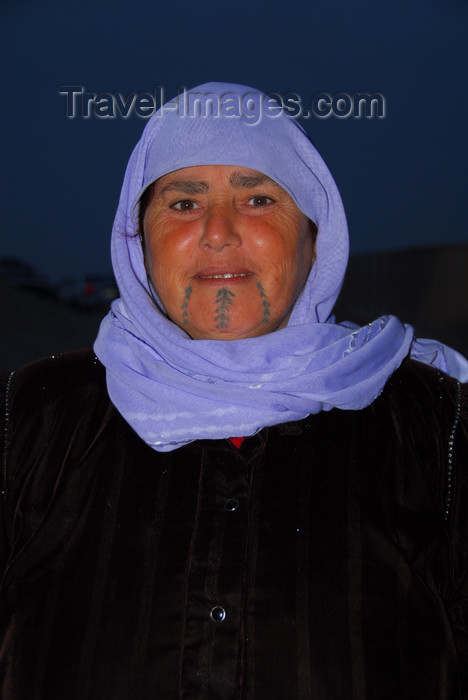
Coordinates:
column 53, row 395
column 428, row 411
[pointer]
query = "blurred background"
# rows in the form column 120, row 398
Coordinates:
column 403, row 177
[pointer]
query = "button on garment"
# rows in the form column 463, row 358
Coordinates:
column 231, row 504
column 218, row 614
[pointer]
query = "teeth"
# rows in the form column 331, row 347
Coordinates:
column 227, row 276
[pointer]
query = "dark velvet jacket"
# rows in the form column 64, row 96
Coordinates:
column 324, row 559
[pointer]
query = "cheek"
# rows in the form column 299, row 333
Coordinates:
column 168, row 283
column 290, row 276
column 305, row 247
column 163, row 258
column 293, row 257
column 165, row 241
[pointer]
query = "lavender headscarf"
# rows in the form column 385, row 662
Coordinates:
column 172, row 389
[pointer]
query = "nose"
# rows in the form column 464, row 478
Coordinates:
column 219, row 230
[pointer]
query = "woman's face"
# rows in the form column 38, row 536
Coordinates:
column 227, row 249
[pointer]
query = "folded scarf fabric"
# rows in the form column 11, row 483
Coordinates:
column 173, row 389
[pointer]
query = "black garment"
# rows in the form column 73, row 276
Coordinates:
column 336, row 547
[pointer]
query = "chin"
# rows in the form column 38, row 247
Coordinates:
column 229, row 333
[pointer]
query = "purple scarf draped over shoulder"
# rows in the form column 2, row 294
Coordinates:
column 172, row 389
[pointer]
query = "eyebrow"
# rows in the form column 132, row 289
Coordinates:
column 237, row 180
column 186, row 186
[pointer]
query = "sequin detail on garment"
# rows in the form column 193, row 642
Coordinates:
column 450, row 463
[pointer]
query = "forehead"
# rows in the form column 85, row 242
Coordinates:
column 200, row 178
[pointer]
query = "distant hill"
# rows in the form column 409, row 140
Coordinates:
column 34, row 326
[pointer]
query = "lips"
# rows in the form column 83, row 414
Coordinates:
column 226, row 276
column 222, row 274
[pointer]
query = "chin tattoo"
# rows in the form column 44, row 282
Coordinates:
column 185, row 316
column 223, row 303
column 265, row 303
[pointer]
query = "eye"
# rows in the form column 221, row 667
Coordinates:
column 184, row 205
column 260, row 200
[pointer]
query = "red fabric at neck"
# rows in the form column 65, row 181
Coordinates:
column 237, row 441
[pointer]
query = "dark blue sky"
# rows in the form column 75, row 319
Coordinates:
column 403, row 178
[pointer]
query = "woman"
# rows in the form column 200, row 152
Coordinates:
column 263, row 503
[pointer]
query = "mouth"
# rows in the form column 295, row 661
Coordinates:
column 215, row 275
column 226, row 276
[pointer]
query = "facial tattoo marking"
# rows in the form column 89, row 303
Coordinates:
column 223, row 303
column 185, row 316
column 265, row 303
